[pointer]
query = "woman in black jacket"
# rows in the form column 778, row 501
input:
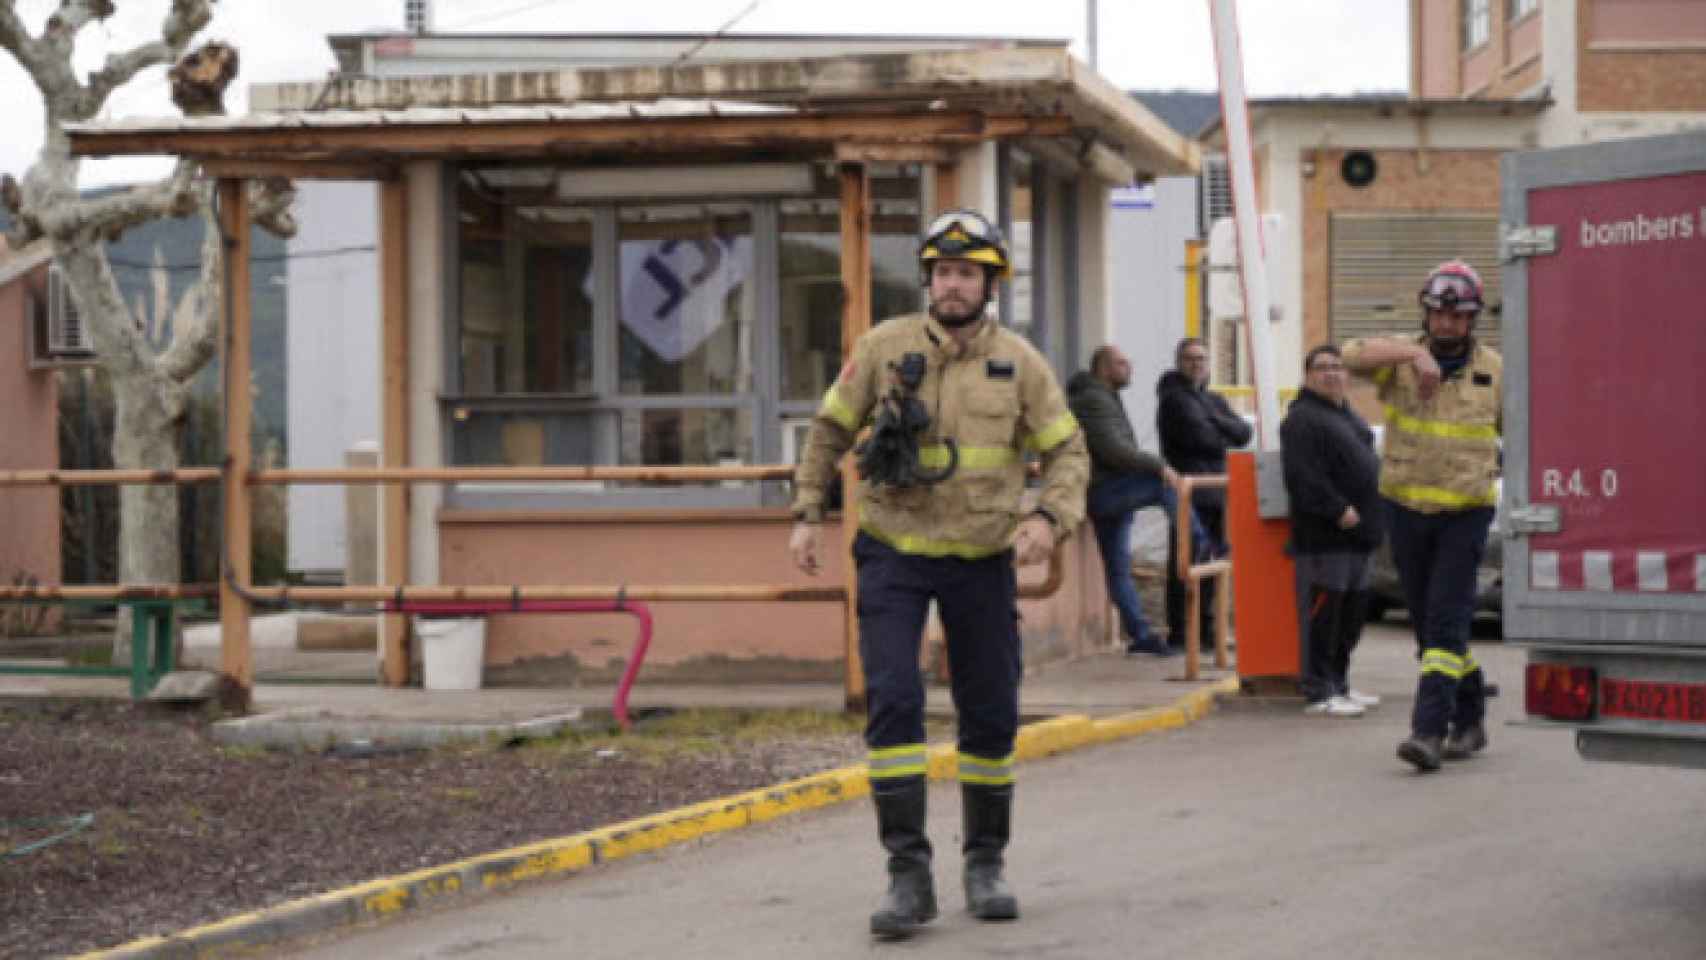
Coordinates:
column 1332, row 478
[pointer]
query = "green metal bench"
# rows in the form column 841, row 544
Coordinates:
column 152, row 653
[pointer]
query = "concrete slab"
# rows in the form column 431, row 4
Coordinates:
column 319, row 730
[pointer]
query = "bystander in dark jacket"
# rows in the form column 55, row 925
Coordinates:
column 1332, row 480
column 1197, row 427
column 1123, row 480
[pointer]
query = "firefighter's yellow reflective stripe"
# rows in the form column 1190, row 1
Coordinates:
column 927, row 547
column 1381, row 375
column 1443, row 661
column 909, row 760
column 1053, row 435
column 935, row 457
column 1439, row 428
column 835, row 409
column 1436, row 496
column 984, row 770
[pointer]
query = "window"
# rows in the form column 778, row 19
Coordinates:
column 686, row 331
column 1477, row 23
column 1021, row 221
column 1517, row 9
column 809, row 274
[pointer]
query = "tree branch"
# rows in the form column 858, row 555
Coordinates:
column 15, row 39
column 90, row 221
column 71, row 17
column 185, row 20
column 200, row 311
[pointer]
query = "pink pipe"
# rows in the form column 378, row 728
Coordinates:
column 619, row 706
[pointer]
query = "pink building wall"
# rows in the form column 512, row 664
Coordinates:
column 704, row 642
column 1646, row 21
column 1436, row 49
column 29, row 517
column 1524, row 39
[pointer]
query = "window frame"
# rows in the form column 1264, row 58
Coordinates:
column 1476, row 14
column 767, row 414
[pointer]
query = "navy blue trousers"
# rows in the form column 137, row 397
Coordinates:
column 1437, row 555
column 978, row 603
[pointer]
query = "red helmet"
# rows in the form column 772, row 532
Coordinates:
column 1454, row 286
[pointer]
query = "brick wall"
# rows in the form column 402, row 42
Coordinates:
column 1408, row 181
column 1646, row 77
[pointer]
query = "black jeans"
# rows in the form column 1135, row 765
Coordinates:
column 1332, row 602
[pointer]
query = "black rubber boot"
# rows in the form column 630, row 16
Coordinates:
column 1464, row 743
column 1420, row 752
column 911, row 897
column 988, row 818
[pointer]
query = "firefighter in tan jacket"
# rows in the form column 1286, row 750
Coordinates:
column 1444, row 396
column 957, row 403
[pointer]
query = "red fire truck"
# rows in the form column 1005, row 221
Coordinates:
column 1605, row 442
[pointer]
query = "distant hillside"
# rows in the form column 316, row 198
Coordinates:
column 1186, row 111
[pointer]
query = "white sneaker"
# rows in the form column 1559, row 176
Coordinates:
column 1365, row 700
column 1334, row 707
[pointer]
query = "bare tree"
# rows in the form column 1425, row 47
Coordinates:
column 151, row 385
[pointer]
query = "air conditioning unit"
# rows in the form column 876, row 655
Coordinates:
column 58, row 337
column 67, row 337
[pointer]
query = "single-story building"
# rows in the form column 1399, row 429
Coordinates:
column 643, row 266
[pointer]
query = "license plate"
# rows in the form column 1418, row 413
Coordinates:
column 1649, row 700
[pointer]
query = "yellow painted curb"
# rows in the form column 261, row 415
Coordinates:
column 248, row 933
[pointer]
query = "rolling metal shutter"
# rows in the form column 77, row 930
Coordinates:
column 1380, row 260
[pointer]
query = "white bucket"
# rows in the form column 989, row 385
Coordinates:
column 452, row 652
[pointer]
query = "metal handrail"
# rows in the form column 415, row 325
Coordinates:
column 378, row 475
column 482, row 593
column 1192, row 574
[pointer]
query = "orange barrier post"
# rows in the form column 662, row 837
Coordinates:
column 1265, row 598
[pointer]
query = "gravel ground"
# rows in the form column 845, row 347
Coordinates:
column 185, row 831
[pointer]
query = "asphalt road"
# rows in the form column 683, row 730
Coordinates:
column 1258, row 832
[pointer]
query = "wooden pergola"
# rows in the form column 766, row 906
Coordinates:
column 929, row 123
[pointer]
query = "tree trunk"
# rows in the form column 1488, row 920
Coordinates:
column 147, row 427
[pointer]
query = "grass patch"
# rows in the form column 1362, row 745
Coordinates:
column 663, row 735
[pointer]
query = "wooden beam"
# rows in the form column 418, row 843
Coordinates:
column 235, row 656
column 855, row 321
column 401, row 140
column 297, row 170
column 857, row 152
column 394, row 413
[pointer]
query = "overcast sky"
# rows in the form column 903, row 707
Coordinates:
column 1291, row 47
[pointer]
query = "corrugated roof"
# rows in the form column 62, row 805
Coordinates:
column 436, row 116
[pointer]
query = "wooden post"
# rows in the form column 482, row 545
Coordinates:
column 855, row 320
column 235, row 659
column 947, row 186
column 1222, row 617
column 394, row 406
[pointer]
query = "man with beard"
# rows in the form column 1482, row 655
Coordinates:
column 944, row 524
column 1124, row 479
column 1197, row 427
column 1444, row 397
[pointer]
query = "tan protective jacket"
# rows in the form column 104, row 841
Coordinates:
column 996, row 398
column 1442, row 453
